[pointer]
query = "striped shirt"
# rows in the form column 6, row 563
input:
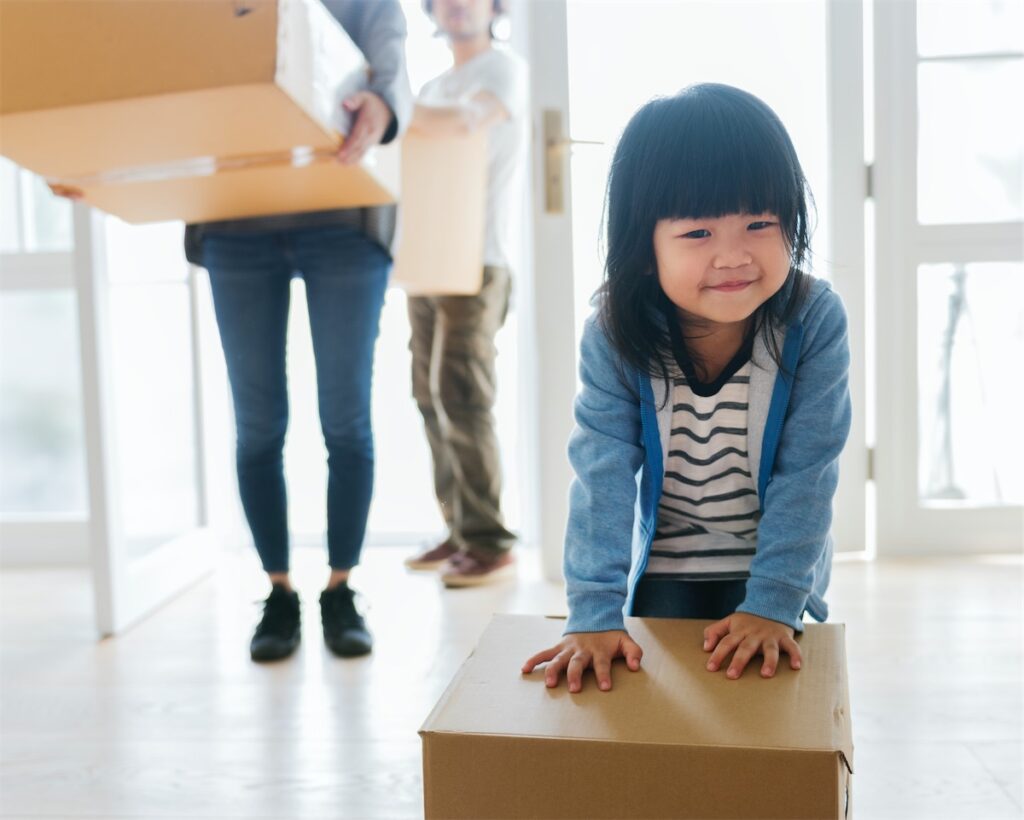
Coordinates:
column 707, row 518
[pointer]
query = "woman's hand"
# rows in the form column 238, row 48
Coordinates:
column 578, row 650
column 372, row 118
column 66, row 191
column 749, row 635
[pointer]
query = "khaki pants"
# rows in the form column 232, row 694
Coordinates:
column 454, row 384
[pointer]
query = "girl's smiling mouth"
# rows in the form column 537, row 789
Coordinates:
column 732, row 286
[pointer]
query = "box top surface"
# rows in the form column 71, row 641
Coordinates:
column 672, row 700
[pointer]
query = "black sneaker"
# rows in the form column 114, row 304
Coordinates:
column 345, row 631
column 277, row 634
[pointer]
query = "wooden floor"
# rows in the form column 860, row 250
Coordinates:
column 173, row 720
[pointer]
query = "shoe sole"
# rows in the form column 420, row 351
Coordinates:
column 411, row 563
column 350, row 651
column 461, row 581
column 267, row 657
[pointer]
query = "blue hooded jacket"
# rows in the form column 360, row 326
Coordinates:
column 797, row 427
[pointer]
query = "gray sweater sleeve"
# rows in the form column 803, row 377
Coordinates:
column 378, row 28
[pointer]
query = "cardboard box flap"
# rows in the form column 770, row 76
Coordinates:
column 673, row 700
column 318, row 64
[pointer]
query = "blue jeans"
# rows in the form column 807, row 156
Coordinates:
column 671, row 598
column 345, row 275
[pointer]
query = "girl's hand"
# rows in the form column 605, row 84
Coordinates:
column 749, row 635
column 578, row 650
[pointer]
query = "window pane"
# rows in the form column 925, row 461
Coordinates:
column 153, row 412
column 954, row 27
column 145, row 253
column 47, row 217
column 971, row 400
column 970, row 141
column 42, row 446
column 10, row 242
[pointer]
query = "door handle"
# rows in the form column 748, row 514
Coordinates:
column 556, row 156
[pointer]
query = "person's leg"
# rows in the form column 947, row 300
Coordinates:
column 670, row 598
column 423, row 323
column 467, row 390
column 346, row 276
column 250, row 281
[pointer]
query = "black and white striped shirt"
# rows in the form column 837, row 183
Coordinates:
column 707, row 518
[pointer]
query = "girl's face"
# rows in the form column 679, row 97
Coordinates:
column 721, row 270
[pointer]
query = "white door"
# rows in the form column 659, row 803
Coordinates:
column 148, row 518
column 949, row 297
column 593, row 64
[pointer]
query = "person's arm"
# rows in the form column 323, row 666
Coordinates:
column 797, row 508
column 797, row 517
column 482, row 112
column 501, row 95
column 382, row 112
column 606, row 454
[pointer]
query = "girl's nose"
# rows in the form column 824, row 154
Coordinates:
column 733, row 256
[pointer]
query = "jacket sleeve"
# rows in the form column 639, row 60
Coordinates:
column 378, row 28
column 606, row 453
column 793, row 533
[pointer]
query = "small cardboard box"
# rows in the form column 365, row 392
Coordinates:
column 151, row 106
column 672, row 740
column 444, row 201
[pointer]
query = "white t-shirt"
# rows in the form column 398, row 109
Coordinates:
column 503, row 74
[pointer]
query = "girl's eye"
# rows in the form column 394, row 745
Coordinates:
column 759, row 226
column 700, row 233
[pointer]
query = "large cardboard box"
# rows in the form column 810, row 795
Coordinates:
column 156, row 108
column 670, row 741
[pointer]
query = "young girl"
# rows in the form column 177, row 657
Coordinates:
column 714, row 401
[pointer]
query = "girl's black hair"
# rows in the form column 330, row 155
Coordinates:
column 708, row 151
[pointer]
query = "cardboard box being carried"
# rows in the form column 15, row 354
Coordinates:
column 441, row 225
column 672, row 740
column 194, row 110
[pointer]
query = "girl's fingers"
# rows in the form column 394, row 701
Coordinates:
column 771, row 659
column 714, row 633
column 574, row 675
column 792, row 648
column 632, row 652
column 746, row 650
column 722, row 651
column 541, row 657
column 554, row 670
column 603, row 672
